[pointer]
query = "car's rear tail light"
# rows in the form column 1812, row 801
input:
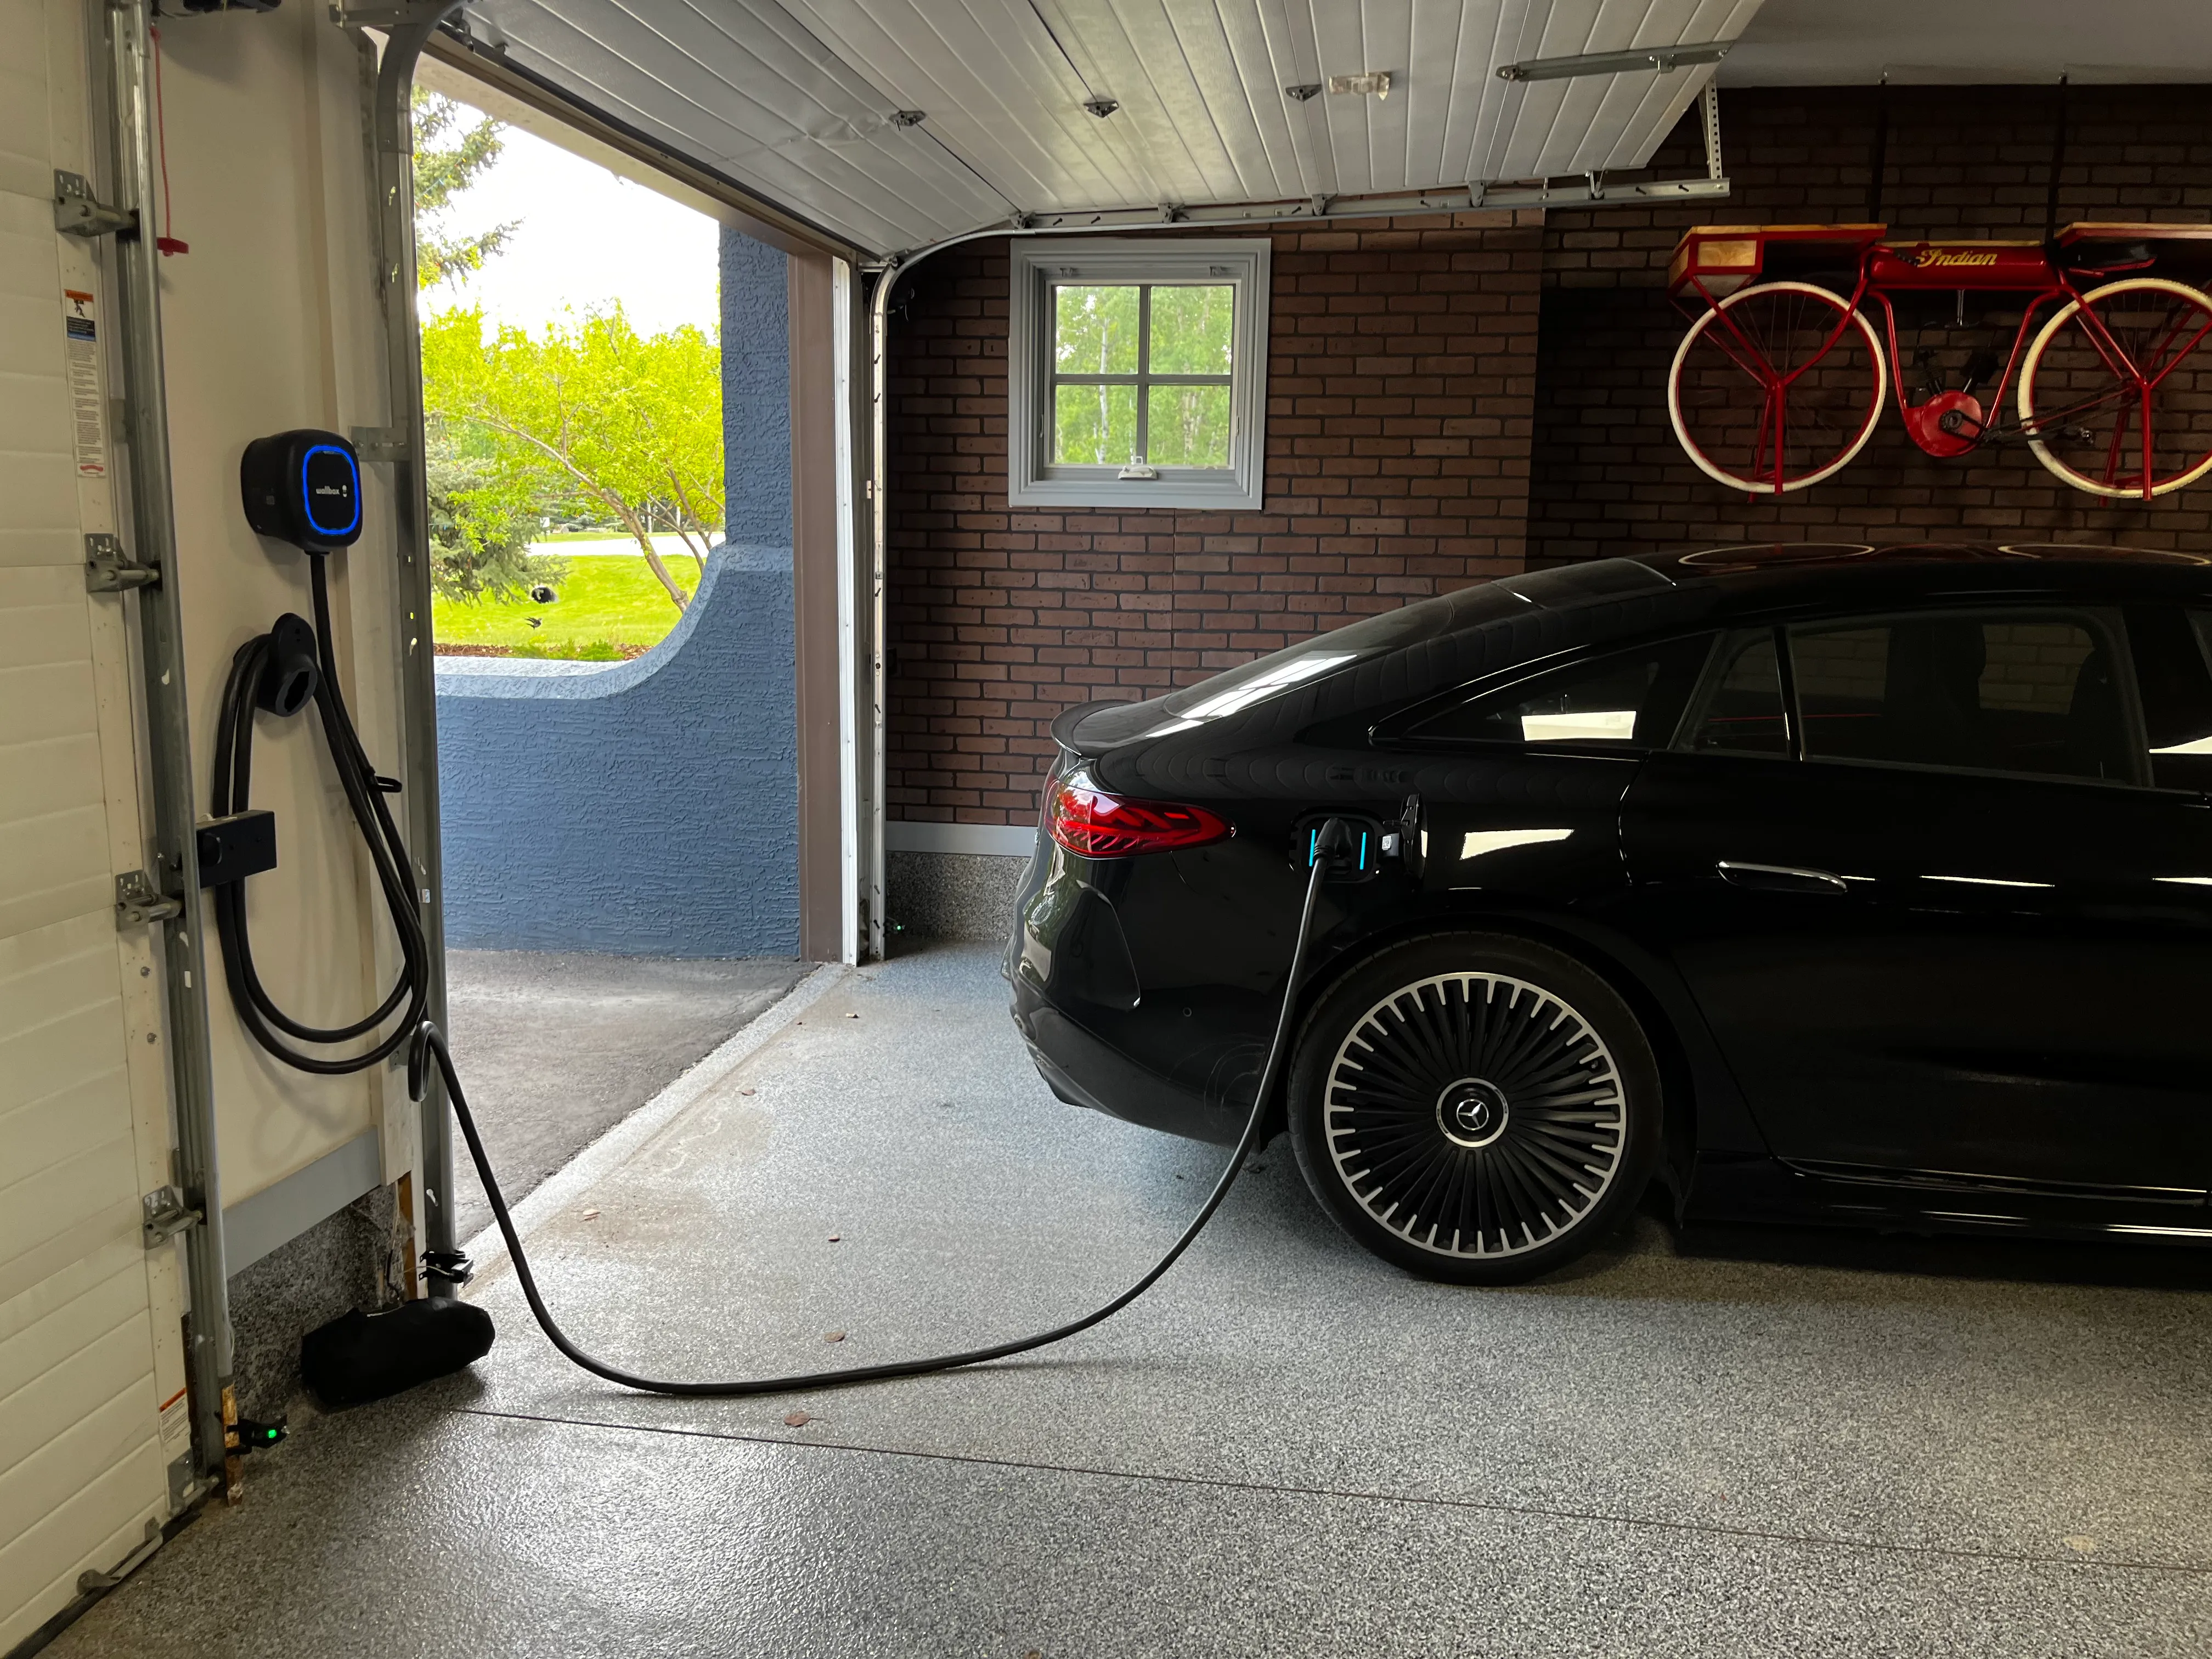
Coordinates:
column 1087, row 820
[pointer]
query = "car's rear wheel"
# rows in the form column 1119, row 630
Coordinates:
column 1474, row 1107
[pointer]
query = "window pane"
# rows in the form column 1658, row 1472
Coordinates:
column 1989, row 694
column 1634, row 700
column 1189, row 425
column 1191, row 330
column 1094, row 425
column 1742, row 715
column 1094, row 330
column 2174, row 673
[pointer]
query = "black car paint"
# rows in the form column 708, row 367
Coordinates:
column 1948, row 1055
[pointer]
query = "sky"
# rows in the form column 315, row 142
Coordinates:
column 586, row 237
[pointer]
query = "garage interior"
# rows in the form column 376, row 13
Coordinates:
column 1696, row 1440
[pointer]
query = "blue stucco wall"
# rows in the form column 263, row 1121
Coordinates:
column 648, row 810
column 756, row 390
column 652, row 809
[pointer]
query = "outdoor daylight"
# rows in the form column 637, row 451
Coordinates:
column 572, row 384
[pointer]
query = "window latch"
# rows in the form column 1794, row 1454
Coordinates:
column 1137, row 468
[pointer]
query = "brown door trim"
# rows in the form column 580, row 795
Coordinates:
column 814, row 415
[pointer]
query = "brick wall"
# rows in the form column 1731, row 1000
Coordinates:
column 1448, row 399
column 1606, row 474
column 1402, row 363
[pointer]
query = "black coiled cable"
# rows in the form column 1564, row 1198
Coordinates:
column 267, row 673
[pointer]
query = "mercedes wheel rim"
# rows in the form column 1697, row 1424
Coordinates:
column 1476, row 1116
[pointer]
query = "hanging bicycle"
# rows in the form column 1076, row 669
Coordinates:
column 1780, row 380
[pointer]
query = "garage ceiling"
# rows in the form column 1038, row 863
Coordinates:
column 894, row 124
column 802, row 100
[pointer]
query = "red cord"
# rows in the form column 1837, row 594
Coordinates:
column 168, row 244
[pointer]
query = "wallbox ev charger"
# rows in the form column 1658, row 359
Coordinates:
column 304, row 487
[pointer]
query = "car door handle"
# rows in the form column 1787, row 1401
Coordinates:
column 1781, row 877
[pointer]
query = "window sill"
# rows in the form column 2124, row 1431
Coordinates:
column 1116, row 496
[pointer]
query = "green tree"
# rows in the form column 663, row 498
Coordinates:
column 450, row 155
column 588, row 410
column 481, row 525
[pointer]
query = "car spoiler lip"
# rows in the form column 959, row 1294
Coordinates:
column 1063, row 728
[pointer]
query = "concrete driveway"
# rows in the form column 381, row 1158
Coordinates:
column 556, row 1048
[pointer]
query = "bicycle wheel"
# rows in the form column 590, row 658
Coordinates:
column 1775, row 387
column 2120, row 381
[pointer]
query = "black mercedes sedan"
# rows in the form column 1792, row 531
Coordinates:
column 1828, row 882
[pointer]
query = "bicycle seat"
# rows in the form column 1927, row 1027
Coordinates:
column 2111, row 250
column 2103, row 259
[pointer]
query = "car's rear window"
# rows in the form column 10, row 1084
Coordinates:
column 1255, row 682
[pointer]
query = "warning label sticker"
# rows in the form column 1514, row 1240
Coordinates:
column 177, row 1423
column 88, row 410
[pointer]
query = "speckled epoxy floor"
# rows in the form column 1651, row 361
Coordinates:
column 1286, row 1448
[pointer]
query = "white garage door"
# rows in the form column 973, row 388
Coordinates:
column 90, row 1351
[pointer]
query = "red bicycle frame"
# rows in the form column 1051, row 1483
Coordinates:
column 1716, row 261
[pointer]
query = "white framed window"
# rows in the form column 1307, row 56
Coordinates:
column 1137, row 374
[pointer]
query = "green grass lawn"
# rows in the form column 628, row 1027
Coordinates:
column 606, row 601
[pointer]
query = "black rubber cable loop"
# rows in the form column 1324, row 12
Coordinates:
column 257, row 1009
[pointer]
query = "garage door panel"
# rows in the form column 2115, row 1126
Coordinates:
column 76, row 1486
column 65, row 1124
column 84, row 1333
column 45, row 700
column 42, row 617
column 50, row 775
column 31, row 406
column 91, row 1366
column 53, row 544
column 85, row 1199
column 43, row 488
column 54, row 867
column 37, row 1329
column 41, row 1566
column 45, row 1481
column 54, row 857
column 60, row 1010
column 31, row 1068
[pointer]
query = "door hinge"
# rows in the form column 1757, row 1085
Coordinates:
column 166, row 1215
column 138, row 902
column 78, row 212
column 108, row 569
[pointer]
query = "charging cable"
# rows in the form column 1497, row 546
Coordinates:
column 283, row 670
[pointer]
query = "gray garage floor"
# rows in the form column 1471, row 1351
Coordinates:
column 1286, row 1448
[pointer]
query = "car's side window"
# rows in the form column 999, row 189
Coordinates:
column 1741, row 710
column 2172, row 653
column 2034, row 692
column 1632, row 700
